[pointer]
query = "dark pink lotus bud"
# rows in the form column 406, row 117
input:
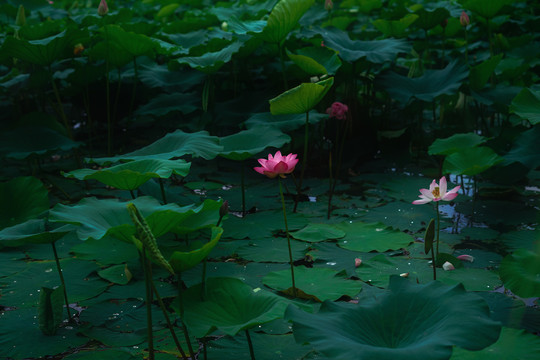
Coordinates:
column 464, row 19
column 102, row 9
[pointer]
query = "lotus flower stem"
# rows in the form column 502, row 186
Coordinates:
column 162, row 188
column 243, row 186
column 282, row 62
column 60, row 105
column 181, row 308
column 433, row 260
column 250, row 344
column 288, row 237
column 61, row 279
column 147, row 266
column 132, row 194
column 135, row 81
column 168, row 320
column 304, row 162
column 438, row 228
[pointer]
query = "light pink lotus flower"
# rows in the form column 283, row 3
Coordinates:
column 436, row 192
column 464, row 19
column 102, row 9
column 338, row 110
column 277, row 165
column 357, row 262
column 468, row 258
column 447, row 266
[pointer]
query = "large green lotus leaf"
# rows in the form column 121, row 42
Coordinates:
column 285, row 123
column 203, row 216
column 103, row 354
column 471, row 161
column 428, row 19
column 527, row 105
column 512, row 344
column 525, row 148
column 308, row 64
column 34, row 231
column 22, row 289
column 375, row 51
column 380, row 268
column 520, row 272
column 41, row 52
column 131, row 175
column 322, row 55
column 97, row 218
column 395, row 28
column 365, row 237
column 134, row 44
column 428, row 87
column 266, row 347
column 172, row 145
column 106, row 251
column 243, row 27
column 185, row 260
column 283, row 19
column 244, row 144
column 23, row 142
column 521, row 239
column 211, row 62
column 319, row 284
column 411, row 321
column 271, row 250
column 512, row 312
column 20, row 325
column 479, row 74
column 159, row 76
column 455, row 143
column 485, row 8
column 314, row 232
column 230, row 306
column 262, row 224
column 22, row 198
column 117, row 274
column 300, row 99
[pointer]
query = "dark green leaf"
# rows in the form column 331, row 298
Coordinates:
column 51, row 306
column 300, row 99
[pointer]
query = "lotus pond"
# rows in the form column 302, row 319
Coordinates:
column 235, row 180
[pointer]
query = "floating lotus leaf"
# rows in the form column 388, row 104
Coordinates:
column 134, row 44
column 185, row 260
column 210, row 62
column 485, row 8
column 117, row 274
column 300, row 99
column 131, row 175
column 283, row 19
column 512, row 344
column 471, row 161
column 244, row 144
column 520, row 271
column 22, row 198
column 318, row 284
column 229, row 305
column 172, row 145
column 285, row 123
column 361, row 236
column 479, row 74
column 455, row 143
column 314, row 232
column 427, row 87
column 410, row 321
column 527, row 105
column 375, row 51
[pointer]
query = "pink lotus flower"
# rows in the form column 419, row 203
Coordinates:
column 277, row 165
column 338, row 111
column 436, row 192
column 468, row 258
column 464, row 19
column 102, row 9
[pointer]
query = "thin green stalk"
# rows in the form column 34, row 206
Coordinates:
column 59, row 268
column 466, row 48
column 250, row 344
column 243, row 186
column 433, row 263
column 133, row 93
column 288, row 237
column 60, row 105
column 304, row 162
column 162, row 188
column 438, row 227
column 168, row 320
column 132, row 194
column 181, row 308
column 147, row 266
column 107, row 93
column 330, row 190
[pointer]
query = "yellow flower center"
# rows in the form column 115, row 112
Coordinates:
column 436, row 192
